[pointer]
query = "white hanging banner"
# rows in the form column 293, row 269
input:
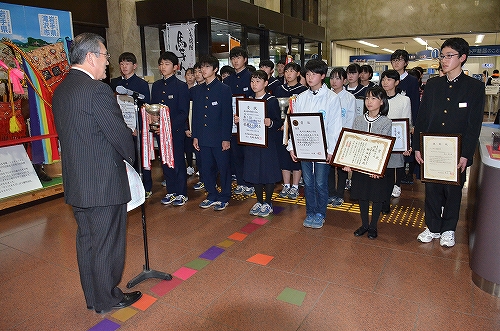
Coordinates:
column 180, row 39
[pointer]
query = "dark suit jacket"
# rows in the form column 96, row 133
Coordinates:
column 94, row 142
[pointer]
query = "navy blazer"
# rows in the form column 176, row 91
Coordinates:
column 212, row 113
column 94, row 142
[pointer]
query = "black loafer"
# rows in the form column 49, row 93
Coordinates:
column 128, row 299
column 361, row 231
column 372, row 233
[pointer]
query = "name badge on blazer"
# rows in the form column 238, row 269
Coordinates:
column 214, row 103
column 462, row 105
column 245, row 89
column 171, row 96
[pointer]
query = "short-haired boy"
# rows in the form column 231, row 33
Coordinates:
column 318, row 99
column 240, row 85
column 129, row 80
column 174, row 93
column 452, row 104
column 212, row 124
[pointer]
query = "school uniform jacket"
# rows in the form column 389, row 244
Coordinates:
column 173, row 93
column 454, row 107
column 212, row 113
column 240, row 83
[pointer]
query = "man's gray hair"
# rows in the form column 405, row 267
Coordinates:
column 82, row 44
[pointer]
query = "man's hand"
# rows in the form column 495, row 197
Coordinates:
column 226, row 145
column 292, row 155
column 195, row 144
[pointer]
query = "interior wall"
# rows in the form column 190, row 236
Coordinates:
column 358, row 19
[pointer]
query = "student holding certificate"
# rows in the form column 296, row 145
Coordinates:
column 261, row 167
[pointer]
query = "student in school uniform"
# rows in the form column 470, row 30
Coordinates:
column 353, row 82
column 366, row 188
column 212, row 124
column 129, row 80
column 188, row 140
column 288, row 167
column 200, row 185
column 174, row 93
column 366, row 75
column 280, row 68
column 318, row 99
column 273, row 83
column 261, row 163
column 240, row 85
column 409, row 86
column 399, row 107
column 337, row 177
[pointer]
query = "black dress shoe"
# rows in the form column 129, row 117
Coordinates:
column 361, row 231
column 128, row 299
column 372, row 233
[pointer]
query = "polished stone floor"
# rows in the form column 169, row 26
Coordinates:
column 350, row 283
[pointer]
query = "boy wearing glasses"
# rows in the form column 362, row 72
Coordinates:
column 451, row 104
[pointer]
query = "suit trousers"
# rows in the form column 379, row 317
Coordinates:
column 100, row 249
column 439, row 219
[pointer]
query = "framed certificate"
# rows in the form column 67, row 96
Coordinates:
column 362, row 151
column 401, row 131
column 441, row 154
column 235, row 96
column 251, row 128
column 308, row 136
column 127, row 107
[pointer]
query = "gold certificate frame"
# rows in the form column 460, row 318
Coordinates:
column 401, row 131
column 308, row 136
column 362, row 151
column 251, row 128
column 441, row 154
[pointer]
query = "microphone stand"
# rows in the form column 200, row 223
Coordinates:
column 146, row 273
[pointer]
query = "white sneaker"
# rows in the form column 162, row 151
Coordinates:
column 447, row 239
column 255, row 209
column 396, row 191
column 427, row 236
column 190, row 171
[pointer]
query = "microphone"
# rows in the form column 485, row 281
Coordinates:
column 122, row 90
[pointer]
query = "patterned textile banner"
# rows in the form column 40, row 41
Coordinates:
column 180, row 39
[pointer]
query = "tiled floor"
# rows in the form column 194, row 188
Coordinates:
column 391, row 283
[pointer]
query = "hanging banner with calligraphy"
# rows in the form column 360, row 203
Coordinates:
column 180, row 39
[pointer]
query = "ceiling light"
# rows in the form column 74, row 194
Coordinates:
column 410, row 7
column 367, row 43
column 388, row 50
column 479, row 38
column 219, row 34
column 420, row 41
column 222, row 45
column 476, row 2
column 443, row 5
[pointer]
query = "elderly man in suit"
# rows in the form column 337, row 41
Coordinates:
column 94, row 142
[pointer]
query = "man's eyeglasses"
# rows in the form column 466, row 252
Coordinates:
column 446, row 56
column 107, row 55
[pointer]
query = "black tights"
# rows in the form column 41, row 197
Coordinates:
column 259, row 192
column 376, row 209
